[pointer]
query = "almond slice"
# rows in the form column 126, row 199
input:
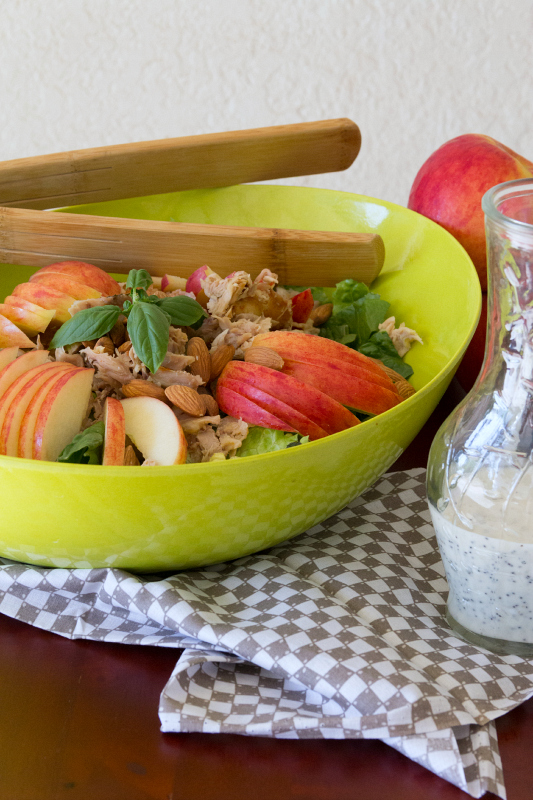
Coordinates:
column 186, row 399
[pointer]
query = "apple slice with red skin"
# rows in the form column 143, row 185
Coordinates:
column 298, row 346
column 46, row 297
column 236, row 405
column 115, row 433
column 302, row 305
column 316, row 406
column 293, row 419
column 16, row 399
column 7, row 355
column 11, row 335
column 66, row 284
column 347, row 389
column 82, row 272
column 19, row 365
column 55, row 414
column 28, row 322
column 194, row 284
column 171, row 283
column 155, row 431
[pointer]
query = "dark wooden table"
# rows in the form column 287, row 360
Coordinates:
column 79, row 720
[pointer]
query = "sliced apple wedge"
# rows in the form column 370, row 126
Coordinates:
column 27, row 321
column 63, row 283
column 7, row 355
column 20, row 365
column 82, row 272
column 55, row 414
column 239, row 406
column 155, row 431
column 16, row 399
column 46, row 297
column 11, row 335
column 115, row 433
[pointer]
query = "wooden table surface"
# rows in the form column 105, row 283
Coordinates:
column 79, row 720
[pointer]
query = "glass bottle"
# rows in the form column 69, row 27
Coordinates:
column 480, row 471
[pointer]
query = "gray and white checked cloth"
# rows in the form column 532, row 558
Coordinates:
column 339, row 633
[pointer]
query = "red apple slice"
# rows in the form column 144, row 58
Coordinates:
column 115, row 433
column 11, row 336
column 312, row 403
column 27, row 321
column 55, row 414
column 302, row 305
column 297, row 345
column 82, row 272
column 236, row 405
column 348, row 389
column 288, row 415
column 16, row 399
column 7, row 355
column 46, row 297
column 194, row 284
column 171, row 283
column 66, row 284
column 154, row 430
column 20, row 365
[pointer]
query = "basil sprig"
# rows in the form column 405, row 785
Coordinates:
column 149, row 320
column 91, row 323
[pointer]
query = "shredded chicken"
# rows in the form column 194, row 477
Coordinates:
column 115, row 370
column 224, row 292
column 176, row 377
column 401, row 337
column 69, row 358
column 113, row 300
column 240, row 332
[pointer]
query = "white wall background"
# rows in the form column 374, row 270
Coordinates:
column 411, row 73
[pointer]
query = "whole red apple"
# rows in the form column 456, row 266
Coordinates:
column 450, row 184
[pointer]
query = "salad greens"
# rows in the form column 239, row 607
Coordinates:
column 266, row 440
column 86, row 447
column 149, row 318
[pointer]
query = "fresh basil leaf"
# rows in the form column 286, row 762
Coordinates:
column 380, row 346
column 138, row 279
column 90, row 323
column 148, row 327
column 183, row 310
column 86, row 447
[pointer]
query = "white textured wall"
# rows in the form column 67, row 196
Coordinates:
column 411, row 73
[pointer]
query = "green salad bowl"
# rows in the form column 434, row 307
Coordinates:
column 166, row 518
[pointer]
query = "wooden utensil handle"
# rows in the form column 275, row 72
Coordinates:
column 188, row 162
column 311, row 258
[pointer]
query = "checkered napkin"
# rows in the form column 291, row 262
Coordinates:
column 339, row 633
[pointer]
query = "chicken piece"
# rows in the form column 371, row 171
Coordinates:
column 70, row 358
column 401, row 337
column 222, row 293
column 114, row 370
column 231, row 433
column 241, row 332
column 263, row 301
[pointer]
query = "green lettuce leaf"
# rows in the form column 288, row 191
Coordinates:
column 266, row 440
column 380, row 346
column 86, row 447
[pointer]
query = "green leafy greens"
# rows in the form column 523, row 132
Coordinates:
column 149, row 318
column 86, row 447
column 266, row 440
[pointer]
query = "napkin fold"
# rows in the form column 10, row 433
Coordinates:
column 339, row 633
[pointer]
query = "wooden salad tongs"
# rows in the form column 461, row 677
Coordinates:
column 34, row 237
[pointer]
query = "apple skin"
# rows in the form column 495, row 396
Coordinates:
column 313, row 404
column 11, row 335
column 115, row 433
column 28, row 322
column 239, row 406
column 63, row 283
column 302, row 305
column 350, row 390
column 46, row 297
column 7, row 355
column 194, row 284
column 82, row 272
column 18, row 366
column 450, row 184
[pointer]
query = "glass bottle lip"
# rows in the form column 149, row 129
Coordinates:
column 505, row 191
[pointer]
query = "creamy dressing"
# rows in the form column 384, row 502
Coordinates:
column 487, row 549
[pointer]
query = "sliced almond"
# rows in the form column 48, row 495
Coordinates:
column 106, row 344
column 130, row 457
column 187, row 399
column 140, row 388
column 197, row 348
column 264, row 356
column 321, row 314
column 402, row 386
column 220, row 357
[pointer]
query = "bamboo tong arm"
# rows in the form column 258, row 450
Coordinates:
column 168, row 165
